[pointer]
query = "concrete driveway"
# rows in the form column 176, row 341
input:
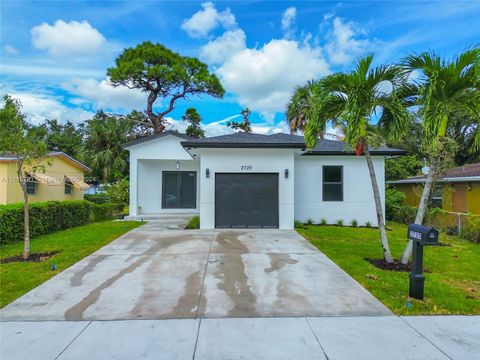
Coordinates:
column 156, row 273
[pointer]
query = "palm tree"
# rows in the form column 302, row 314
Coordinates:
column 354, row 99
column 299, row 109
column 445, row 90
column 102, row 149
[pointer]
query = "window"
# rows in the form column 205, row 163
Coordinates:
column 179, row 190
column 68, row 187
column 436, row 201
column 333, row 183
column 31, row 186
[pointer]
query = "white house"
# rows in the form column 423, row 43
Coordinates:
column 252, row 181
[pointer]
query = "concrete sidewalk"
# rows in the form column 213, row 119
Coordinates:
column 381, row 337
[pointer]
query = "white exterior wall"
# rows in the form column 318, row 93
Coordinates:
column 261, row 161
column 358, row 202
column 149, row 199
column 147, row 161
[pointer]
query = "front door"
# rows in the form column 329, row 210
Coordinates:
column 179, row 190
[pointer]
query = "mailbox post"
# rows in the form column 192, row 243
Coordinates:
column 421, row 236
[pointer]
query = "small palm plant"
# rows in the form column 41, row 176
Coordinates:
column 355, row 100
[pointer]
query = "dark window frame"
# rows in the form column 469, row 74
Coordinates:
column 29, row 185
column 341, row 183
column 436, row 199
column 68, row 187
column 164, row 205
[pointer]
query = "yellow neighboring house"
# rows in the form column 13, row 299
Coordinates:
column 62, row 179
column 457, row 190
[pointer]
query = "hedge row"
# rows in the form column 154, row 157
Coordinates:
column 50, row 216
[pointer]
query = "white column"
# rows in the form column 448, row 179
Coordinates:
column 132, row 208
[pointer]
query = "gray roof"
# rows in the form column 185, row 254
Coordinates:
column 156, row 136
column 281, row 140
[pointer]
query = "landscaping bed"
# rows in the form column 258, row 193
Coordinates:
column 452, row 284
column 68, row 247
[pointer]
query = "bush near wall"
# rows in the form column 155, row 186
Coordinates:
column 50, row 216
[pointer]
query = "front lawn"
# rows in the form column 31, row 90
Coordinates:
column 452, row 286
column 17, row 278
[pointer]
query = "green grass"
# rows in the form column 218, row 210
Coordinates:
column 74, row 244
column 452, row 287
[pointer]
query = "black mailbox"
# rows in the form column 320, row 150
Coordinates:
column 425, row 235
column 420, row 235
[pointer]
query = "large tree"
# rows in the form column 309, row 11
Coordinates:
column 244, row 125
column 65, row 137
column 300, row 106
column 446, row 90
column 353, row 99
column 102, row 149
column 162, row 73
column 27, row 150
column 194, row 119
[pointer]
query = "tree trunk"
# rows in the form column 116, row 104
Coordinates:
column 154, row 119
column 26, row 226
column 26, row 214
column 422, row 207
column 387, row 255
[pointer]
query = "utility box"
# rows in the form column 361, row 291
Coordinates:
column 425, row 235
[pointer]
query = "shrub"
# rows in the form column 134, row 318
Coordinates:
column 405, row 214
column 339, row 222
column 100, row 198
column 309, row 222
column 394, row 199
column 354, row 223
column 50, row 216
column 194, row 223
column 298, row 224
column 119, row 193
column 368, row 224
column 471, row 231
column 323, row 221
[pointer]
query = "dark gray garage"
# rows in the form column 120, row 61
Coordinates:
column 246, row 200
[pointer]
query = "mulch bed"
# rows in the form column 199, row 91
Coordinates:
column 35, row 257
column 395, row 266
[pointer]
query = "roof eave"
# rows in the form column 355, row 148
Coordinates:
column 187, row 144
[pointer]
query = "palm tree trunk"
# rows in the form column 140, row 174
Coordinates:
column 422, row 207
column 387, row 255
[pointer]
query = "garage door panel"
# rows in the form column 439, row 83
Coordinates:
column 246, row 200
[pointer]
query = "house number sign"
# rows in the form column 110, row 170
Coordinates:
column 246, row 167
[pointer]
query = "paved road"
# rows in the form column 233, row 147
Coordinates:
column 359, row 338
column 156, row 273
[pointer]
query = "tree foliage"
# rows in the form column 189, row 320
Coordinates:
column 352, row 100
column 194, row 119
column 102, row 149
column 64, row 137
column 244, row 125
column 301, row 107
column 162, row 73
column 26, row 148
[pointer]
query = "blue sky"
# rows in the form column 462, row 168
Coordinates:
column 54, row 54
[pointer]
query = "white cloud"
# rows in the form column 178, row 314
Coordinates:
column 204, row 21
column 264, row 78
column 39, row 107
column 217, row 128
column 10, row 50
column 344, row 42
column 288, row 22
column 220, row 49
column 105, row 96
column 64, row 39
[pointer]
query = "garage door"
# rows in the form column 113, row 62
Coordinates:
column 246, row 200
